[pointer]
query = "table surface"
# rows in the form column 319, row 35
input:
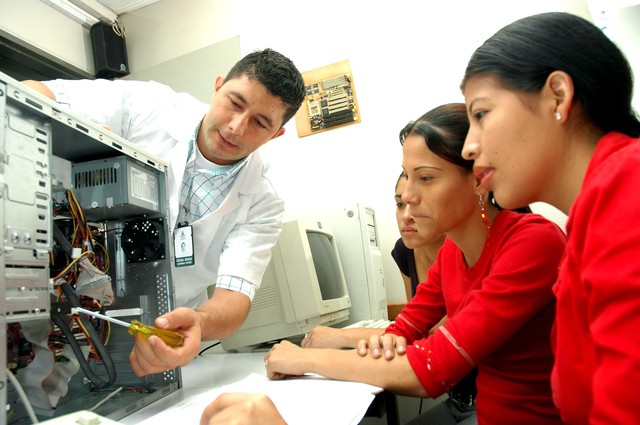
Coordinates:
column 217, row 368
column 214, row 368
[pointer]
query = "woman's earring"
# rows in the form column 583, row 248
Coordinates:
column 484, row 216
column 557, row 116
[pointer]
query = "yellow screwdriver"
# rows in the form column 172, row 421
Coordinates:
column 171, row 338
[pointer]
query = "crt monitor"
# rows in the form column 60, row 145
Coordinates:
column 303, row 287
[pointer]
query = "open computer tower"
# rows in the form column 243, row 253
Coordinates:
column 84, row 216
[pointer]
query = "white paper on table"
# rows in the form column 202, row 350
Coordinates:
column 310, row 399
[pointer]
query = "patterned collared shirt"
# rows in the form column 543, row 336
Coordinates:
column 203, row 191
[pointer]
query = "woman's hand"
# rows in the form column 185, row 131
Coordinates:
column 285, row 360
column 389, row 344
column 325, row 337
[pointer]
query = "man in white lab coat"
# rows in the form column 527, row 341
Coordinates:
column 221, row 202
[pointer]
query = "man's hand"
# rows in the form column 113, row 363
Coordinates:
column 389, row 344
column 241, row 409
column 40, row 88
column 152, row 355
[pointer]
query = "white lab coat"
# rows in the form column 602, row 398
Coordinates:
column 234, row 240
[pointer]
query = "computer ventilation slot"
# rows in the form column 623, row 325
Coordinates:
column 96, row 177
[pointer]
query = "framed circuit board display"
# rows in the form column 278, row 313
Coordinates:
column 330, row 100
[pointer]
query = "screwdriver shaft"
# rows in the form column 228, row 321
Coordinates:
column 171, row 338
column 102, row 316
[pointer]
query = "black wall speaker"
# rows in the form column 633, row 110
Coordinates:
column 109, row 52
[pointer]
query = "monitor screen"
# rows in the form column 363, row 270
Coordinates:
column 326, row 265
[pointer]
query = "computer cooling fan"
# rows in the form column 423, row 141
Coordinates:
column 142, row 240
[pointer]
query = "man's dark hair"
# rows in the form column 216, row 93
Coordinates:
column 277, row 73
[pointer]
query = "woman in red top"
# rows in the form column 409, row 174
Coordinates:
column 492, row 277
column 549, row 98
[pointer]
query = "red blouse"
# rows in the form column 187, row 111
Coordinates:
column 500, row 314
column 597, row 344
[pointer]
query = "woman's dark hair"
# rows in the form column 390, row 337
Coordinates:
column 523, row 54
column 444, row 129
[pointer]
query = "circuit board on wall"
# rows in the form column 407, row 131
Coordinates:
column 330, row 100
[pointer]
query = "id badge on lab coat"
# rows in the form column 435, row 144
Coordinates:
column 183, row 246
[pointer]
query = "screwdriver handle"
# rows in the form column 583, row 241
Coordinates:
column 171, row 338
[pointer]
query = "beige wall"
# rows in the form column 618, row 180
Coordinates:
column 33, row 23
column 170, row 28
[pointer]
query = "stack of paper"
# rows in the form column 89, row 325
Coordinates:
column 310, row 399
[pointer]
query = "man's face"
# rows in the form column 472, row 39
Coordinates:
column 242, row 117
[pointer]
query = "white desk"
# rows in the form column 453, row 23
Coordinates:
column 216, row 368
